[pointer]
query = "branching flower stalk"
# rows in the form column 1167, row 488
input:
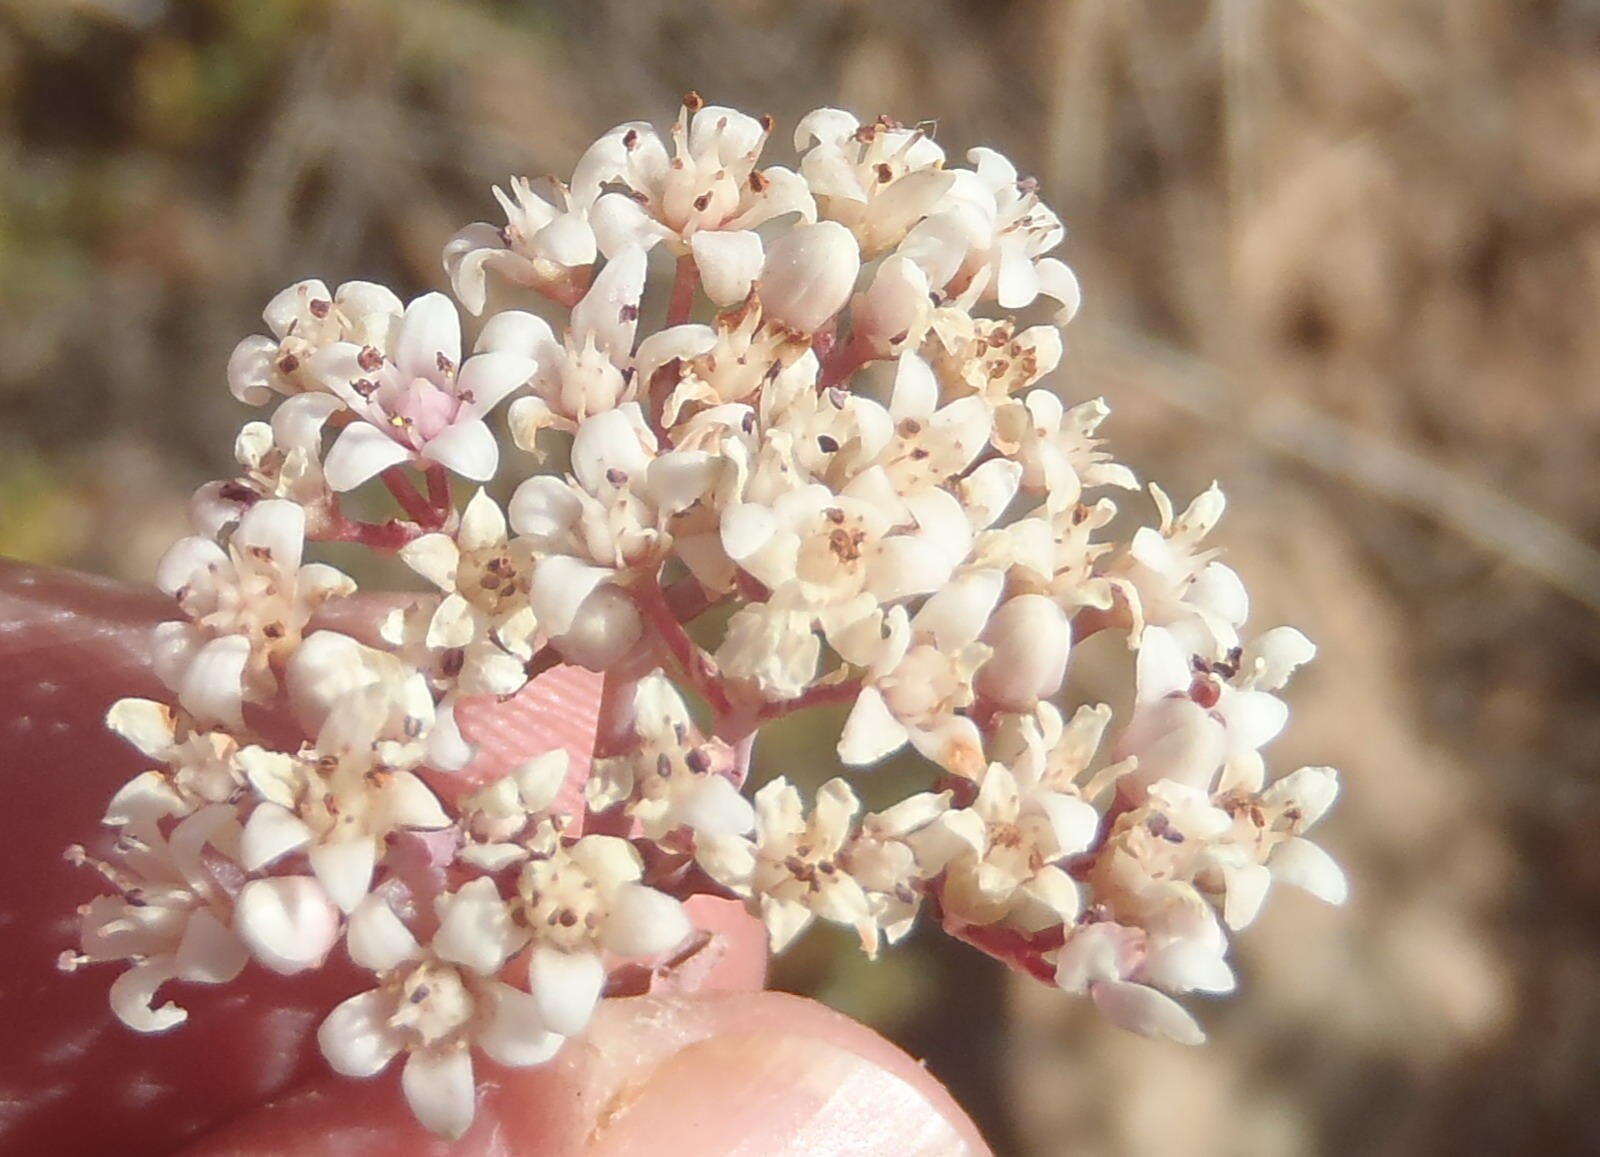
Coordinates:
column 833, row 475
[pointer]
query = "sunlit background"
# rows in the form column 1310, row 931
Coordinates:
column 1343, row 255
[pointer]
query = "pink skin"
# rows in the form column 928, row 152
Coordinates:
column 713, row 1066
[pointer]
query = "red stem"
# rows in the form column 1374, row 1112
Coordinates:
column 391, row 535
column 844, row 360
column 681, row 304
column 407, row 496
column 824, row 693
column 439, row 496
column 694, row 663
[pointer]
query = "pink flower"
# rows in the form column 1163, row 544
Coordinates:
column 421, row 404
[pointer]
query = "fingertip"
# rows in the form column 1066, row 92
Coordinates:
column 762, row 1072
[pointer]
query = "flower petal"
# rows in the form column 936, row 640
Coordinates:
column 439, row 1088
column 277, row 527
column 356, row 1038
column 467, row 447
column 729, row 261
column 489, row 377
column 133, row 994
column 376, row 938
column 515, row 1034
column 213, row 686
column 344, row 868
column 871, row 732
column 144, row 723
column 271, row 832
column 1145, row 1011
column 1307, row 866
column 209, row 952
column 566, row 985
column 609, row 311
column 360, row 452
column 475, row 927
column 644, row 922
column 430, row 327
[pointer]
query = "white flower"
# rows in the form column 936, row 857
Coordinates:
column 1191, row 721
column 882, row 859
column 933, row 443
column 1094, row 961
column 672, row 779
column 1041, row 749
column 337, row 802
column 988, row 238
column 808, row 275
column 545, row 244
column 594, row 531
column 170, row 918
column 435, row 1006
column 792, row 871
column 744, row 502
column 1030, row 637
column 832, row 548
column 878, row 179
column 1170, row 580
column 374, row 696
column 895, row 311
column 496, row 818
column 639, row 194
column 921, row 678
column 1002, row 855
column 305, row 319
column 281, row 459
column 1266, row 843
column 989, row 358
column 591, row 370
column 418, row 403
column 481, row 634
column 579, row 903
column 1057, row 449
column 698, row 367
column 247, row 607
column 772, row 646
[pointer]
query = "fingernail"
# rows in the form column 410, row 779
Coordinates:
column 773, row 1095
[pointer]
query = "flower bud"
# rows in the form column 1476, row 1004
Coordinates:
column 808, row 275
column 895, row 311
column 1031, row 637
column 728, row 261
column 605, row 626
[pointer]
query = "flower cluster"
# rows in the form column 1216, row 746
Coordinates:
column 830, row 474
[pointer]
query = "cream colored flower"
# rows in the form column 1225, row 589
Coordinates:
column 578, row 904
column 247, row 607
column 794, row 870
column 337, row 803
column 640, row 193
column 512, row 818
column 170, row 918
column 673, row 779
column 878, row 179
column 546, row 244
column 305, row 319
column 436, row 1005
column 1001, row 856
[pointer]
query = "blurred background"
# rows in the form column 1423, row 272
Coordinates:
column 1343, row 255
